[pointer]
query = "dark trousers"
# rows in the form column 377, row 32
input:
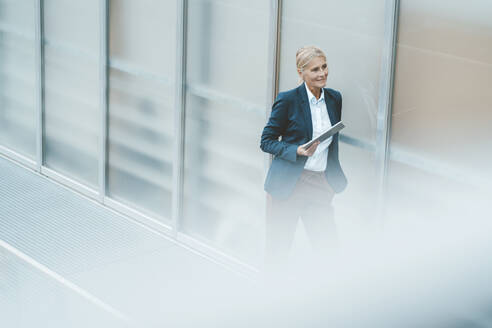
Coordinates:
column 311, row 200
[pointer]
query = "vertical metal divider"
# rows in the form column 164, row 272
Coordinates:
column 103, row 80
column 179, row 118
column 39, row 50
column 273, row 74
column 385, row 108
column 274, row 58
column 275, row 33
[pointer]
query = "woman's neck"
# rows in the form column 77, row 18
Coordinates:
column 315, row 91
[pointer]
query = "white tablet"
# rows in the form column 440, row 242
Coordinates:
column 325, row 135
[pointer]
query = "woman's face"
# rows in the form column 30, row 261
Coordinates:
column 315, row 73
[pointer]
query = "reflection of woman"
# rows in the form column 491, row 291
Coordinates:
column 302, row 182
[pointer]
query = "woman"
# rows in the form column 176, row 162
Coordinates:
column 302, row 182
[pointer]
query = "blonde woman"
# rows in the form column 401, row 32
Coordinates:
column 302, row 182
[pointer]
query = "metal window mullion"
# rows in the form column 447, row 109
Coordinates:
column 273, row 74
column 179, row 116
column 103, row 80
column 274, row 51
column 39, row 53
column 383, row 133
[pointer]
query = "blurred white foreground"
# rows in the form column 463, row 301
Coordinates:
column 429, row 271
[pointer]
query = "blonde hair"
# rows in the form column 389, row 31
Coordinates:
column 304, row 55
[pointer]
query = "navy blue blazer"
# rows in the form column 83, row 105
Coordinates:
column 291, row 120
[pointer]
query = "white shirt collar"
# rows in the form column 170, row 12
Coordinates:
column 312, row 98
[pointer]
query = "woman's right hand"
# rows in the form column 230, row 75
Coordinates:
column 309, row 151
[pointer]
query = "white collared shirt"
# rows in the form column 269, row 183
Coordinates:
column 321, row 122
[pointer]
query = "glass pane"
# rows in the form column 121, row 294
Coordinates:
column 418, row 197
column 72, row 88
column 351, row 33
column 344, row 36
column 18, row 111
column 141, row 100
column 443, row 95
column 225, row 114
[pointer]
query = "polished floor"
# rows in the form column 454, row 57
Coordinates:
column 66, row 261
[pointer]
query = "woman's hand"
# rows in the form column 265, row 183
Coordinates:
column 309, row 151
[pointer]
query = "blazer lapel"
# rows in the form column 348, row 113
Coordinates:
column 306, row 110
column 330, row 107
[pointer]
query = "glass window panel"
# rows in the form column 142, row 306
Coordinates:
column 72, row 88
column 227, row 76
column 418, row 197
column 141, row 100
column 351, row 33
column 443, row 93
column 18, row 112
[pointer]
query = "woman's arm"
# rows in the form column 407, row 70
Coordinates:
column 276, row 126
